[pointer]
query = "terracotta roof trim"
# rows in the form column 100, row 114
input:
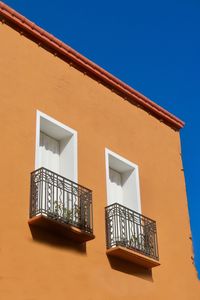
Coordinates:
column 90, row 67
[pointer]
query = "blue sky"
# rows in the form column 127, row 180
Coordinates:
column 154, row 46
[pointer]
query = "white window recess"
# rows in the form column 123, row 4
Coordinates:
column 56, row 147
column 122, row 180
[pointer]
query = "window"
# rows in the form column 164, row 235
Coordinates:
column 56, row 147
column 129, row 234
column 122, row 181
column 58, row 202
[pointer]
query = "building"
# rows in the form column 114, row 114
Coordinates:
column 89, row 142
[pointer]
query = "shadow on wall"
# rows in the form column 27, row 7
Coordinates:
column 130, row 268
column 42, row 235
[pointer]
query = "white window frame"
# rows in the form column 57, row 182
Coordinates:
column 57, row 128
column 116, row 161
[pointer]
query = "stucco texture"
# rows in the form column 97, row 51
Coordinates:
column 40, row 266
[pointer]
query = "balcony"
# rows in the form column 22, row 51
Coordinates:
column 131, row 236
column 60, row 206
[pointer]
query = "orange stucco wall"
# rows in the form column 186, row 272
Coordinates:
column 45, row 267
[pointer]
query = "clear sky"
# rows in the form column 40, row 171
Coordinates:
column 154, row 46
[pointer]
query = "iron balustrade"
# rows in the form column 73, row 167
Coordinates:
column 127, row 228
column 60, row 199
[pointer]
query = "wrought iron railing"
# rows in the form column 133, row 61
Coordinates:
column 127, row 228
column 60, row 199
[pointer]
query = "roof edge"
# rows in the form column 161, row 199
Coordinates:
column 37, row 33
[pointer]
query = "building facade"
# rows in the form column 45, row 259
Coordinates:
column 105, row 162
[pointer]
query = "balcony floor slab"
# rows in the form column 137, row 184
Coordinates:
column 133, row 256
column 65, row 230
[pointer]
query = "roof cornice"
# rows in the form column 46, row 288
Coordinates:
column 52, row 44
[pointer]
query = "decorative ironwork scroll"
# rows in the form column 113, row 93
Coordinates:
column 127, row 228
column 60, row 199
